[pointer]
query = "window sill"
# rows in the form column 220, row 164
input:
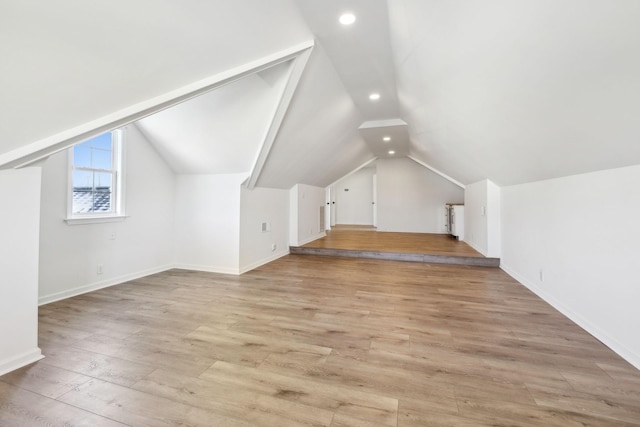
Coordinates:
column 95, row 219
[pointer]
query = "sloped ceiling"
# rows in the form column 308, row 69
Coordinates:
column 519, row 91
column 72, row 62
column 513, row 91
column 319, row 140
column 221, row 131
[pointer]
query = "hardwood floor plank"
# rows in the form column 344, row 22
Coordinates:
column 135, row 408
column 497, row 413
column 343, row 400
column 326, row 341
column 605, row 407
column 237, row 401
column 158, row 355
column 46, row 380
column 425, row 243
column 112, row 369
column 60, row 334
column 22, row 408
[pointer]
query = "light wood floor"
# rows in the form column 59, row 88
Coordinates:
column 319, row 341
column 367, row 239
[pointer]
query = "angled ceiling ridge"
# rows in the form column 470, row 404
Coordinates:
column 436, row 171
column 353, row 171
column 31, row 153
column 294, row 75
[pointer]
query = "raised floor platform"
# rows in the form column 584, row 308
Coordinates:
column 366, row 242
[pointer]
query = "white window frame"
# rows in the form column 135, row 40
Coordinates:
column 118, row 199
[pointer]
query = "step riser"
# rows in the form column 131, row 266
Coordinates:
column 398, row 256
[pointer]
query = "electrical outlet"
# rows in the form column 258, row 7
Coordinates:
column 99, row 269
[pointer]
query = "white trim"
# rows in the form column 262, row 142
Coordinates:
column 295, row 74
column 594, row 330
column 17, row 362
column 263, row 261
column 434, row 170
column 95, row 219
column 35, row 151
column 46, row 299
column 313, row 238
column 352, row 172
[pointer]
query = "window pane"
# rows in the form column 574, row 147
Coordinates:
column 94, row 153
column 102, row 201
column 100, row 159
column 82, row 156
column 82, row 201
column 102, row 142
column 92, row 192
column 103, row 183
column 82, row 180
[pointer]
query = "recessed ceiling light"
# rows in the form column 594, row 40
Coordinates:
column 392, row 152
column 347, row 18
column 374, row 96
column 386, row 139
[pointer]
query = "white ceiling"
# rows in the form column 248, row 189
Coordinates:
column 518, row 91
column 385, row 136
column 221, row 131
column 510, row 90
column 319, row 141
column 71, row 62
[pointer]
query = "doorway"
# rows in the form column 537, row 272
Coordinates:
column 353, row 199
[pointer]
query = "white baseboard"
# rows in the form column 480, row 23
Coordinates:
column 17, row 362
column 263, row 261
column 208, row 269
column 46, row 299
column 579, row 320
column 312, row 238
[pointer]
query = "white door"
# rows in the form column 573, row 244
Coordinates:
column 354, row 197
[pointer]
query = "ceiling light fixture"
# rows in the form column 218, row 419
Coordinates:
column 374, row 96
column 386, row 139
column 392, row 152
column 347, row 18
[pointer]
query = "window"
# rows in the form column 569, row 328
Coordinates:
column 96, row 177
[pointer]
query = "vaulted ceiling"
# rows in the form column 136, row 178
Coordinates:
column 510, row 90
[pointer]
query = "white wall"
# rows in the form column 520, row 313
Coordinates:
column 257, row 206
column 19, row 228
column 305, row 202
column 411, row 198
column 582, row 232
column 207, row 218
column 70, row 254
column 354, row 195
column 482, row 217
